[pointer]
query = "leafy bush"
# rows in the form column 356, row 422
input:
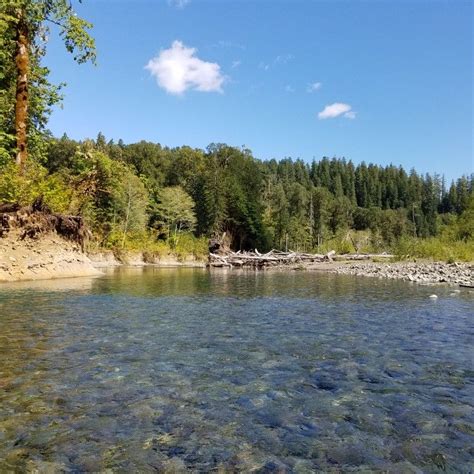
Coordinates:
column 34, row 182
column 435, row 248
column 188, row 244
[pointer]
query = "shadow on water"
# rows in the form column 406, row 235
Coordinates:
column 170, row 369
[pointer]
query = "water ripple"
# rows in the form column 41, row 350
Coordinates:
column 174, row 370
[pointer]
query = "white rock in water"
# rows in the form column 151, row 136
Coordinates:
column 434, row 296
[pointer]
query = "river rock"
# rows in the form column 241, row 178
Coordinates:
column 437, row 272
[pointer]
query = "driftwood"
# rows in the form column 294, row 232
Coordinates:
column 363, row 256
column 276, row 258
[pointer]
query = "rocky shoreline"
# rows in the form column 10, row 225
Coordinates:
column 428, row 273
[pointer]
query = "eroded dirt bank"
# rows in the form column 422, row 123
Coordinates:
column 49, row 256
column 37, row 244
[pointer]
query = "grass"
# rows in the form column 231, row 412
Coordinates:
column 183, row 247
column 444, row 248
column 435, row 248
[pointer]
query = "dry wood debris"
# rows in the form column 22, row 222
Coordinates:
column 276, row 258
column 257, row 259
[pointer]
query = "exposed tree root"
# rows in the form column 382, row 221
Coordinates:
column 38, row 219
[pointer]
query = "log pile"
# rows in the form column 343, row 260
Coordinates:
column 277, row 258
column 363, row 256
column 274, row 258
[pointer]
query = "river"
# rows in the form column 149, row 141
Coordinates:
column 157, row 369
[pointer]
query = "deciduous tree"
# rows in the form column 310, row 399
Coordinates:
column 26, row 93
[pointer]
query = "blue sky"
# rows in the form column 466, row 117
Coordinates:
column 379, row 81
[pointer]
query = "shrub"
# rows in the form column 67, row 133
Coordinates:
column 34, row 182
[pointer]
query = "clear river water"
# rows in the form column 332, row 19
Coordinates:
column 175, row 370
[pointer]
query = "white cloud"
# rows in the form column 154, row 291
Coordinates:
column 236, row 63
column 179, row 3
column 177, row 69
column 289, row 88
column 313, row 87
column 335, row 110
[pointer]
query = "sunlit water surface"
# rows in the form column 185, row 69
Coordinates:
column 182, row 369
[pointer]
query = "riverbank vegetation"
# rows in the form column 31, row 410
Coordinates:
column 147, row 196
column 150, row 197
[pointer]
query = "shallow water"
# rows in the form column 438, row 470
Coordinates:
column 173, row 369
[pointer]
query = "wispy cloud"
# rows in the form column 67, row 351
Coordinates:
column 177, row 69
column 289, row 88
column 279, row 60
column 313, row 87
column 335, row 110
column 228, row 44
column 236, row 63
column 179, row 3
column 283, row 59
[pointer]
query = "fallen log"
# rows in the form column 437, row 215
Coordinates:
column 269, row 259
column 275, row 258
column 362, row 256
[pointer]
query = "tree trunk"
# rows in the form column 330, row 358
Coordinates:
column 21, row 102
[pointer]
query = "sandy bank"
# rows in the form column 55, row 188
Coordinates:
column 49, row 256
column 107, row 259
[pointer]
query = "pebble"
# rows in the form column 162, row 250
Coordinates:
column 438, row 272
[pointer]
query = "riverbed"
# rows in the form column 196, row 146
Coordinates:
column 158, row 369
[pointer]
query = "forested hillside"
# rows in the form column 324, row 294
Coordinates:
column 144, row 193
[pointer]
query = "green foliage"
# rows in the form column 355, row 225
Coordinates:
column 129, row 200
column 35, row 182
column 435, row 248
column 170, row 201
column 6, row 145
column 329, row 205
column 188, row 245
column 455, row 241
column 465, row 223
column 37, row 14
column 173, row 212
column 112, row 199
